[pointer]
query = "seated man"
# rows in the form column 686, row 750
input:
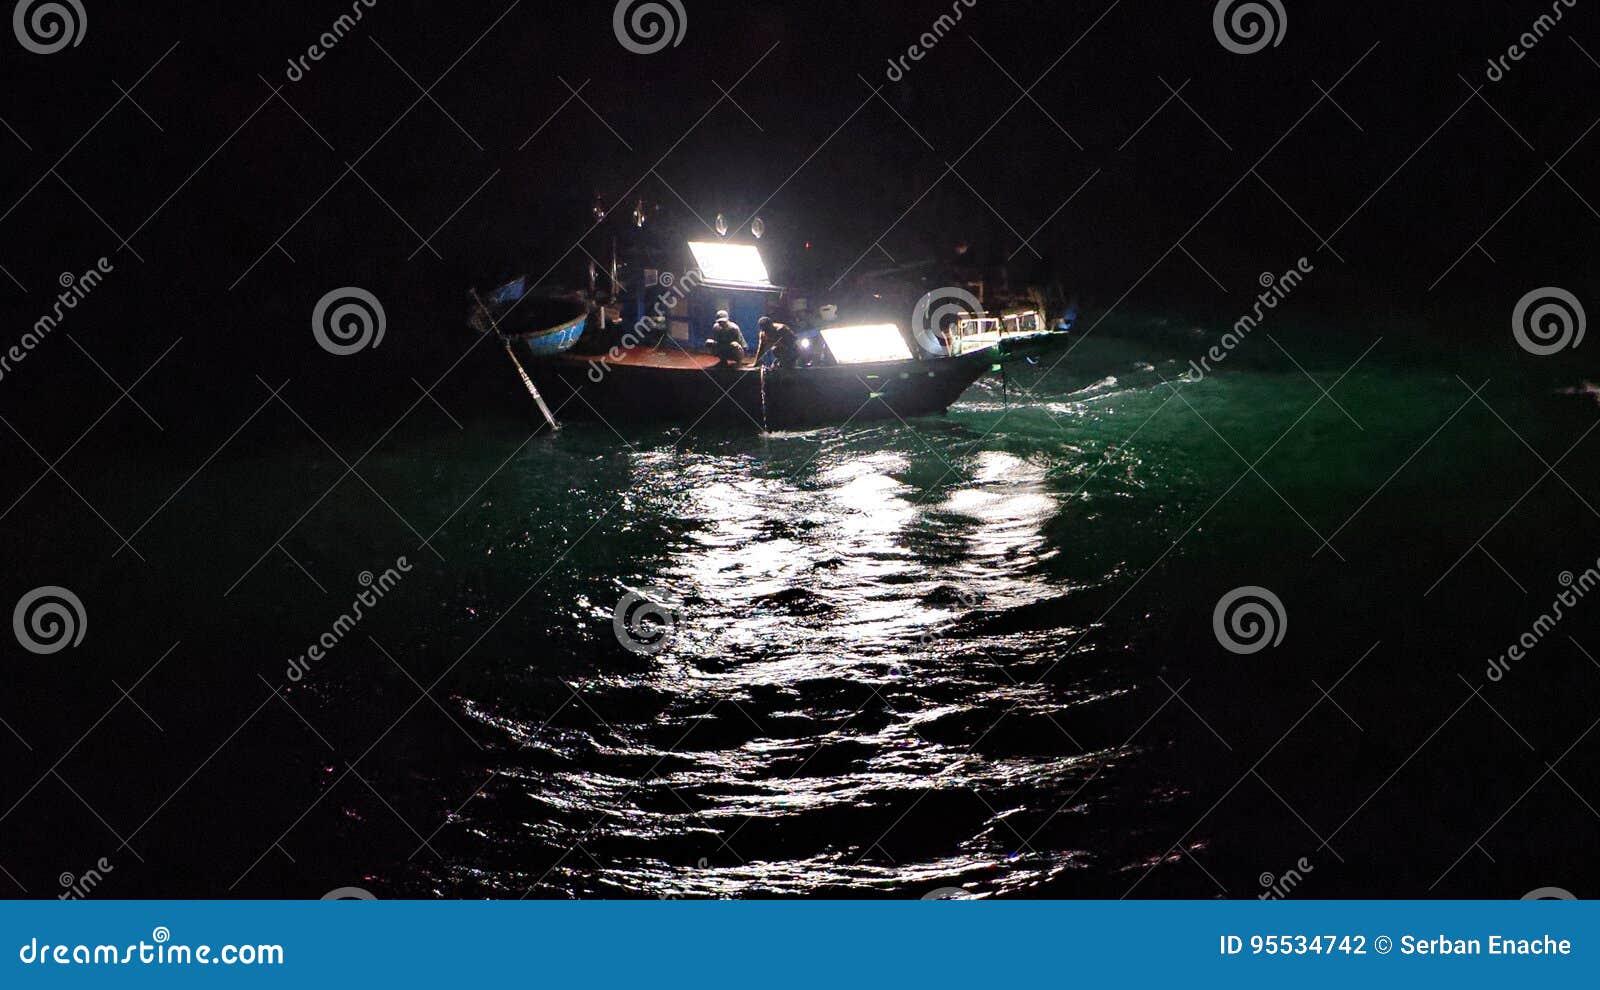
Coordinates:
column 727, row 341
column 780, row 339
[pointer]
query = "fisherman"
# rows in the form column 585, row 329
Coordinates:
column 781, row 340
column 727, row 341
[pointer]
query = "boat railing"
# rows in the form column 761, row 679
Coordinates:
column 1010, row 324
column 974, row 326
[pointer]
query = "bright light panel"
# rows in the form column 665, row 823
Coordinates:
column 865, row 344
column 719, row 261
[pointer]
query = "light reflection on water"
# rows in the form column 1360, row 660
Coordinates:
column 815, row 696
column 906, row 657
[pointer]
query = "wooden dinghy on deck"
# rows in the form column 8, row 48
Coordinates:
column 540, row 326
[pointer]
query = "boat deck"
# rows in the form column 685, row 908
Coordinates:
column 667, row 358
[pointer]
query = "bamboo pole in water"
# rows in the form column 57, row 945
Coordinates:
column 533, row 390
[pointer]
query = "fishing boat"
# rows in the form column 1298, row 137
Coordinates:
column 642, row 351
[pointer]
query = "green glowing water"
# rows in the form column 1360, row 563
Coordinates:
column 975, row 650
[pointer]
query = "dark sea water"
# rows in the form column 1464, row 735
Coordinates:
column 974, row 651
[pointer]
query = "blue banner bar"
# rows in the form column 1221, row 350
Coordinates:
column 815, row 946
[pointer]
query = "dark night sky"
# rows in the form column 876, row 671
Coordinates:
column 1401, row 188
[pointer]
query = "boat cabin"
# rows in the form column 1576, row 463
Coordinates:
column 731, row 277
column 721, row 275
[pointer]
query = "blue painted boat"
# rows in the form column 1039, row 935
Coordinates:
column 537, row 326
column 553, row 340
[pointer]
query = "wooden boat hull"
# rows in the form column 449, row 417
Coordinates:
column 895, row 389
column 1032, row 345
column 689, row 389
